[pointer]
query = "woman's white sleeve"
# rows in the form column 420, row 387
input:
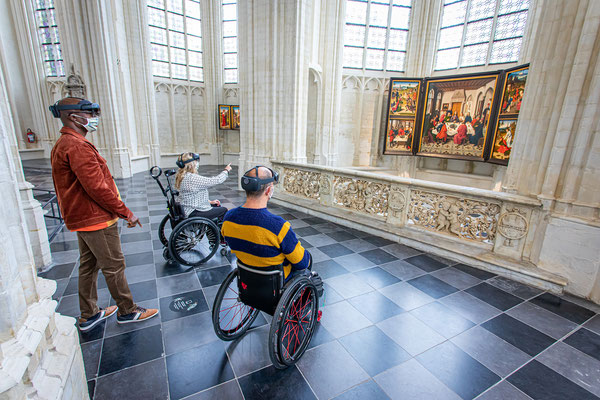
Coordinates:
column 199, row 182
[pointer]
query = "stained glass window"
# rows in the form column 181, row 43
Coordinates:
column 375, row 34
column 176, row 39
column 230, row 41
column 49, row 39
column 480, row 32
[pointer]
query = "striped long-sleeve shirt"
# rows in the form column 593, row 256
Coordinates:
column 260, row 239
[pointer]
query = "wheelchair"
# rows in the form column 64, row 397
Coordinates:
column 294, row 306
column 192, row 241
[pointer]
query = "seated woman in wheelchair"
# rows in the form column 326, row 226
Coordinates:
column 193, row 189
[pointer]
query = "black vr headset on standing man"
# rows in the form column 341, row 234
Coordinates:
column 254, row 183
column 83, row 105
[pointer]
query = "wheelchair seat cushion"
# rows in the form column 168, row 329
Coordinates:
column 260, row 288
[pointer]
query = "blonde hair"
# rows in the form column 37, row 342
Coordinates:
column 191, row 167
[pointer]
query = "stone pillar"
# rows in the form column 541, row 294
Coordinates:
column 40, row 355
column 555, row 154
column 273, row 80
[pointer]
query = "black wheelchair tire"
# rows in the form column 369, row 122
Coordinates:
column 161, row 230
column 180, row 227
column 292, row 287
column 246, row 323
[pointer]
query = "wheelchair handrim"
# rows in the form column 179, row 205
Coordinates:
column 297, row 325
column 194, row 241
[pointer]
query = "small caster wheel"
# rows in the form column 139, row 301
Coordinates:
column 166, row 255
column 224, row 252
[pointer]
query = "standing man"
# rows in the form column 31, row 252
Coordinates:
column 91, row 206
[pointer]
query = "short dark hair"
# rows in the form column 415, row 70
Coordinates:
column 262, row 175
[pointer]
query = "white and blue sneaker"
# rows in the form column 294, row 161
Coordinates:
column 140, row 314
column 89, row 323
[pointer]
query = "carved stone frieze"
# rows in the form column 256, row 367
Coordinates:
column 304, row 183
column 360, row 195
column 513, row 225
column 325, row 184
column 397, row 201
column 465, row 218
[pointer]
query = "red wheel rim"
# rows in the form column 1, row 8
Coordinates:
column 295, row 328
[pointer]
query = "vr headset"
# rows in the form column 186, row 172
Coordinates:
column 83, row 105
column 180, row 163
column 253, row 183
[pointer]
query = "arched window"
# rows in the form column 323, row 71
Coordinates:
column 49, row 40
column 480, row 32
column 230, row 41
column 375, row 34
column 176, row 39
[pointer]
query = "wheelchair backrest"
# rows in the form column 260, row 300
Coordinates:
column 260, row 288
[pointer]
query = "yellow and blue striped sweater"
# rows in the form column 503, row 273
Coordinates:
column 260, row 239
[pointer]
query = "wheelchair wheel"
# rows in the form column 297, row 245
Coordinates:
column 194, row 241
column 231, row 317
column 293, row 322
column 162, row 236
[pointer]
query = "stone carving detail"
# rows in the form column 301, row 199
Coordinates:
column 466, row 218
column 304, row 183
column 396, row 201
column 325, row 185
column 75, row 86
column 513, row 225
column 363, row 196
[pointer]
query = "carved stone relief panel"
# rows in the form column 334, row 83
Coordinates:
column 303, row 183
column 325, row 189
column 513, row 228
column 464, row 218
column 360, row 195
column 397, row 204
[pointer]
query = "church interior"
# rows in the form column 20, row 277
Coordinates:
column 452, row 267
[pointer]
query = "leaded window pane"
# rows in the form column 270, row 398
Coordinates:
column 194, row 43
column 175, row 6
column 400, row 17
column 178, row 56
column 229, row 12
column 158, row 35
column 179, row 71
column 157, row 3
column 397, row 40
column 354, row 35
column 45, row 36
column 196, row 74
column 479, row 32
column 231, row 76
column 160, row 68
column 194, row 27
column 195, row 58
column 159, row 52
column 405, row 3
column 192, row 9
column 374, row 59
column 481, row 9
column 509, row 26
column 506, row 51
column 454, row 14
column 177, row 39
column 451, row 37
column 230, row 45
column 230, row 60
column 353, row 57
column 508, row 6
column 474, row 55
column 230, row 28
column 377, row 38
column 356, row 12
column 175, row 22
column 395, row 60
column 378, row 14
column 156, row 17
column 447, row 59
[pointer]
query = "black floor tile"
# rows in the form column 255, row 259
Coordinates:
column 287, row 216
column 164, row 268
column 434, row 287
column 154, row 213
column 142, row 291
column 91, row 358
column 425, row 262
column 129, row 349
column 197, row 369
column 96, row 333
column 305, row 244
column 586, row 341
column 378, row 256
column 314, row 221
column 377, row 277
column 144, row 381
column 131, row 260
column 329, row 268
column 378, row 241
column 375, row 306
column 185, row 333
column 135, row 237
column 458, row 370
column 494, row 296
column 56, row 247
column 564, row 308
column 182, row 305
column 368, row 390
column 227, row 391
column 91, row 388
column 540, row 382
column 520, row 335
column 271, row 383
column 59, row 271
column 476, row 272
column 374, row 351
column 213, row 276
column 335, row 250
column 306, row 231
column 341, row 236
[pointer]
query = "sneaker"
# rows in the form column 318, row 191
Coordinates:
column 140, row 314
column 318, row 282
column 89, row 323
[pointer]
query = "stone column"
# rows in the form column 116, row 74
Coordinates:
column 273, row 80
column 39, row 351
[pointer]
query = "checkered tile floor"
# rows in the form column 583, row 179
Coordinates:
column 397, row 323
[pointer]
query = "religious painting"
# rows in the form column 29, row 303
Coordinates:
column 224, row 117
column 503, row 141
column 458, row 113
column 235, row 117
column 514, row 88
column 399, row 136
column 404, row 96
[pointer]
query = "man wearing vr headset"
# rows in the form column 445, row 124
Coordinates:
column 90, row 205
column 261, row 239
